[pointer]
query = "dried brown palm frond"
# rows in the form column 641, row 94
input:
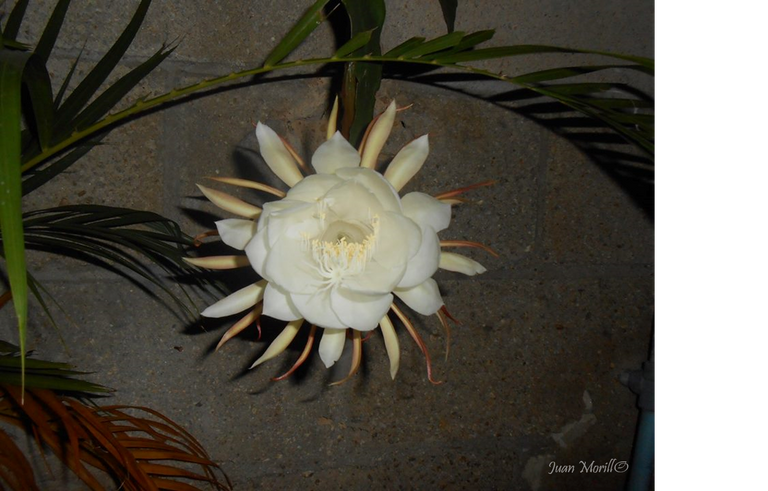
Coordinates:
column 139, row 448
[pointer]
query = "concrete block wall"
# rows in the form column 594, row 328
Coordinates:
column 532, row 374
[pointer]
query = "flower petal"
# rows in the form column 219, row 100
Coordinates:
column 335, row 154
column 316, row 309
column 290, row 265
column 378, row 136
column 277, row 157
column 278, row 304
column 450, row 261
column 427, row 211
column 236, row 232
column 281, row 342
column 312, row 188
column 332, row 119
column 375, row 183
column 257, row 250
column 407, row 162
column 375, row 279
column 229, row 203
column 424, row 264
column 359, row 310
column 298, row 221
column 392, row 345
column 397, row 241
column 237, row 301
column 424, row 298
column 218, row 262
column 351, row 201
column 332, row 345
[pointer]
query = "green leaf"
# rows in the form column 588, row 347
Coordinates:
column 365, row 79
column 11, row 72
column 37, row 290
column 51, row 32
column 38, row 85
column 446, row 60
column 91, row 83
column 437, row 44
column 14, row 21
column 404, row 47
column 572, row 71
column 42, row 176
column 67, row 80
column 449, row 12
column 115, row 235
column 530, row 49
column 14, row 45
column 312, row 18
column 42, row 374
column 468, row 42
column 501, row 52
column 110, row 97
column 357, row 42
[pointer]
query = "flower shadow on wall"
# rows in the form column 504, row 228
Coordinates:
column 337, row 247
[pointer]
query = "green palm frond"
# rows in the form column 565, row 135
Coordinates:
column 453, row 53
column 41, row 374
column 122, row 237
column 46, row 122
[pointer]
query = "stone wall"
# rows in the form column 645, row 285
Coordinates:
column 532, row 374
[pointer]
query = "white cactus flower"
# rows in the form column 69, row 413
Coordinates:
column 337, row 248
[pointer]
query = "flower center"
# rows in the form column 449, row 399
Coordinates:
column 344, row 249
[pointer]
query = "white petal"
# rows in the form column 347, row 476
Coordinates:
column 229, row 203
column 424, row 298
column 332, row 345
column 312, row 188
column 335, row 154
column 424, row 264
column 291, row 266
column 299, row 220
column 237, row 302
column 376, row 184
column 358, row 310
column 257, row 250
column 407, row 162
column 277, row 157
column 278, row 304
column 218, row 262
column 332, row 119
column 392, row 345
column 398, row 240
column 236, row 232
column 316, row 309
column 375, row 279
column 351, row 201
column 427, row 211
column 378, row 136
column 281, row 342
column 450, row 261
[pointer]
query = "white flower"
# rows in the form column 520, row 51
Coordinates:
column 339, row 245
